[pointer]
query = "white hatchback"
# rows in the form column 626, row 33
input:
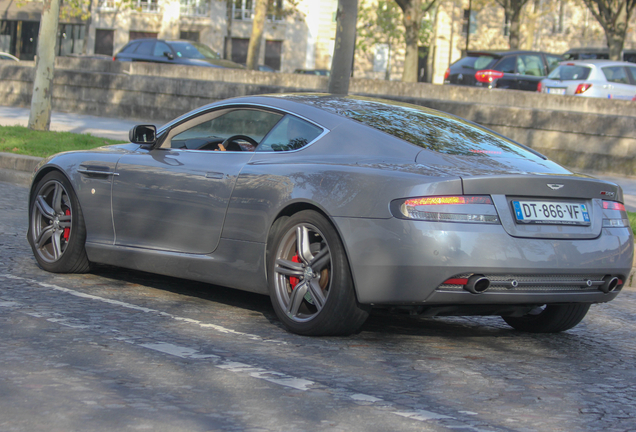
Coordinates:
column 592, row 78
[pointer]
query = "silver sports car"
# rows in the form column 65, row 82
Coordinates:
column 336, row 205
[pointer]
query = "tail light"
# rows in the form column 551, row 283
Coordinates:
column 446, row 74
column 459, row 208
column 615, row 222
column 582, row 88
column 539, row 87
column 488, row 75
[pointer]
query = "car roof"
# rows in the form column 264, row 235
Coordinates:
column 505, row 52
column 597, row 62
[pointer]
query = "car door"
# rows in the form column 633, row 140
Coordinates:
column 507, row 65
column 530, row 70
column 618, row 82
column 175, row 197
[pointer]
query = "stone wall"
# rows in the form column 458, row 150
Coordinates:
column 582, row 133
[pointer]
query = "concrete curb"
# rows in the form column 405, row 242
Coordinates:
column 17, row 169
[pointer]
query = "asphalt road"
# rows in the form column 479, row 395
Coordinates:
column 122, row 350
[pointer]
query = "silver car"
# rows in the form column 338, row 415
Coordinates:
column 592, row 78
column 336, row 205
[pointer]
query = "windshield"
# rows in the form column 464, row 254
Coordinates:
column 476, row 62
column 570, row 73
column 194, row 50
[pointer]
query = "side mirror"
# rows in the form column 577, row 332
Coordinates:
column 169, row 55
column 143, row 134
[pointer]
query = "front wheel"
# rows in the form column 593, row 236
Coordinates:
column 56, row 226
column 549, row 318
column 310, row 283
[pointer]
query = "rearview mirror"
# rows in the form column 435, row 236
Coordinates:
column 143, row 134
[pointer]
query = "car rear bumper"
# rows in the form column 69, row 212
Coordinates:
column 396, row 261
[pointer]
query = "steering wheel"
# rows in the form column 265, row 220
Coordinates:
column 231, row 140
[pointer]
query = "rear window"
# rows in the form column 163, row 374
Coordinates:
column 570, row 73
column 435, row 131
column 476, row 62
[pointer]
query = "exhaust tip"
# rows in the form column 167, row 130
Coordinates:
column 609, row 284
column 477, row 284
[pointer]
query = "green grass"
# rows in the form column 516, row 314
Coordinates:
column 632, row 220
column 24, row 141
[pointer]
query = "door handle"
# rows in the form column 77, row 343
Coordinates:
column 214, row 175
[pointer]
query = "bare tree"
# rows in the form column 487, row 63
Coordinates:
column 342, row 61
column 228, row 34
column 613, row 16
column 40, row 116
column 512, row 9
column 412, row 13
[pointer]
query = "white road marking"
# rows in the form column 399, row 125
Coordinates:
column 422, row 415
column 201, row 324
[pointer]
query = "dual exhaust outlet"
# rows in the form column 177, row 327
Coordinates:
column 477, row 284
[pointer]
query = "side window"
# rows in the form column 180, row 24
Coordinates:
column 632, row 72
column 130, row 48
column 145, row 48
column 506, row 65
column 212, row 129
column 529, row 64
column 553, row 61
column 291, row 133
column 615, row 74
column 161, row 48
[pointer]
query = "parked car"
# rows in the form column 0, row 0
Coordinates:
column 517, row 70
column 7, row 56
column 334, row 205
column 181, row 52
column 320, row 72
column 629, row 55
column 592, row 78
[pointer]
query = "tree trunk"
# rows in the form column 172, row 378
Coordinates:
column 342, row 61
column 228, row 33
column 89, row 20
column 515, row 29
column 615, row 44
column 254, row 47
column 412, row 17
column 40, row 116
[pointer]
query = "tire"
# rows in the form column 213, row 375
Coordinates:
column 57, row 233
column 312, row 290
column 550, row 319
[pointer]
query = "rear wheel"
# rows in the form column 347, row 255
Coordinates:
column 310, row 282
column 56, row 226
column 549, row 318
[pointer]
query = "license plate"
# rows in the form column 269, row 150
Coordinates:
column 551, row 212
column 558, row 91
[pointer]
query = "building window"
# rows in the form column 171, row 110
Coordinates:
column 473, row 21
column 146, row 5
column 273, row 53
column 134, row 35
column 189, row 35
column 195, row 7
column 244, row 10
column 70, row 39
column 106, row 5
column 104, row 41
column 239, row 50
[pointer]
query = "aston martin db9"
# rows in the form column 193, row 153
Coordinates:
column 336, row 205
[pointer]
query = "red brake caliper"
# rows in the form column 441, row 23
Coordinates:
column 293, row 281
column 67, row 231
